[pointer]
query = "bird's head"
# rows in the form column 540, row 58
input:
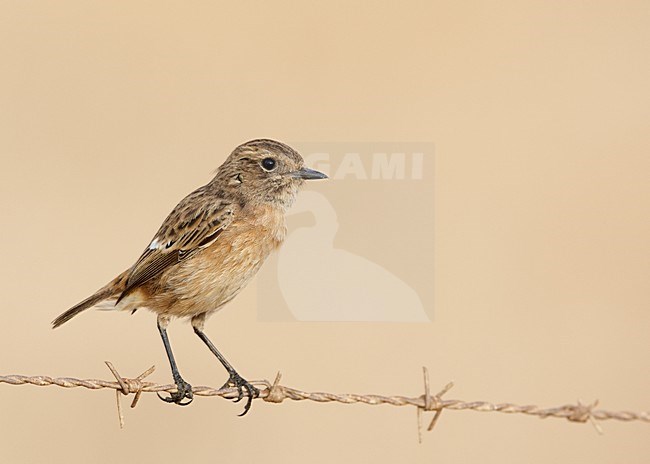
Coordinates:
column 265, row 171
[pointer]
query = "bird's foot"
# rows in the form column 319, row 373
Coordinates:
column 241, row 384
column 183, row 390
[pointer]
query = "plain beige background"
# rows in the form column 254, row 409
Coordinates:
column 110, row 112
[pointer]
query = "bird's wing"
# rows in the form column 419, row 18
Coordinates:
column 194, row 224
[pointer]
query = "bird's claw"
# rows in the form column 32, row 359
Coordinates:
column 241, row 384
column 183, row 390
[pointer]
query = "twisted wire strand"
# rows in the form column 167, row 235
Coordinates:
column 276, row 393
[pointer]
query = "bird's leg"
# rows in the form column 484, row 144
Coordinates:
column 235, row 380
column 183, row 389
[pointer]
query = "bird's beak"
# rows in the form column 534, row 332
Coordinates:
column 308, row 174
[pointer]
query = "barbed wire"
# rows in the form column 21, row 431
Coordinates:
column 273, row 392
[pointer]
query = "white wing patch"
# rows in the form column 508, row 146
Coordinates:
column 154, row 244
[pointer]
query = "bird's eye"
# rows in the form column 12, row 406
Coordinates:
column 268, row 164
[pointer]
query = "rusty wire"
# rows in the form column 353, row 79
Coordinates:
column 273, row 392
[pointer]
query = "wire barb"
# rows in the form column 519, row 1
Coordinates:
column 431, row 403
column 128, row 386
column 276, row 393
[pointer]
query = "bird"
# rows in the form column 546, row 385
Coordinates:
column 208, row 249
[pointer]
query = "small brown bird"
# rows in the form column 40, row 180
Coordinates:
column 209, row 248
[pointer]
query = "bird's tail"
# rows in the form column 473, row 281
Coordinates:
column 104, row 298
